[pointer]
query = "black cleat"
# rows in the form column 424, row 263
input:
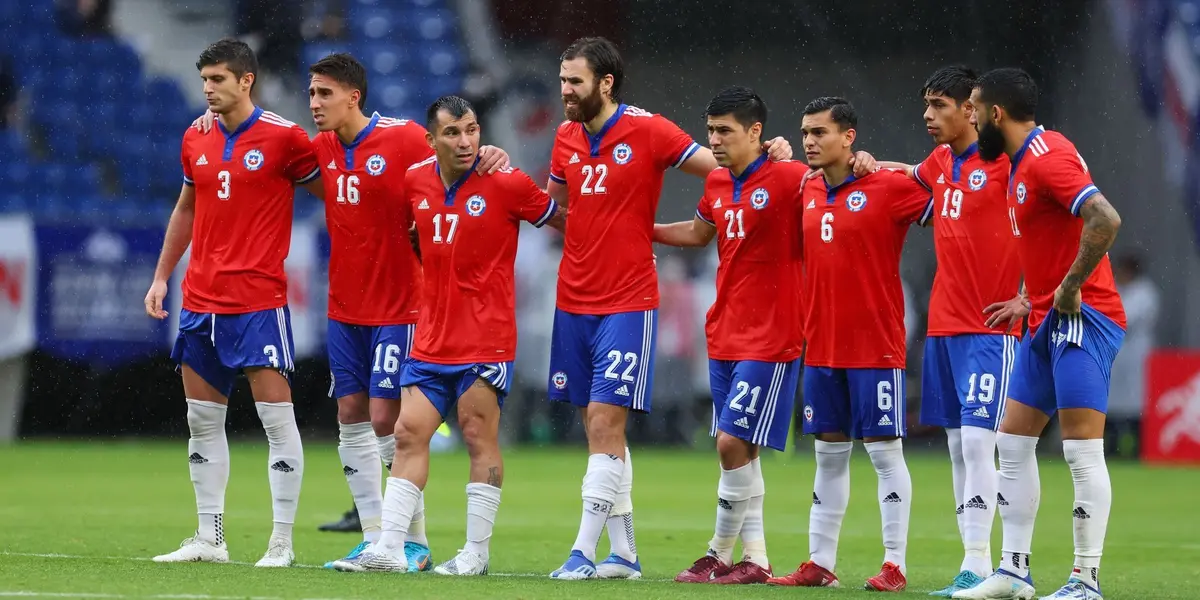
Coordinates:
column 348, row 524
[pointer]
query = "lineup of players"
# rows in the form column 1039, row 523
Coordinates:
column 423, row 224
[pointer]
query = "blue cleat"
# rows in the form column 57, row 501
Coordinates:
column 963, row 581
column 353, row 553
column 616, row 567
column 577, row 567
column 1075, row 590
column 419, row 557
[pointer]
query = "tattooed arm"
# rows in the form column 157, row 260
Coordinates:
column 1100, row 225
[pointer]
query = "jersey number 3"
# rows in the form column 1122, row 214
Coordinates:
column 599, row 173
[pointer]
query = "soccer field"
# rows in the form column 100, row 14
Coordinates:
column 83, row 519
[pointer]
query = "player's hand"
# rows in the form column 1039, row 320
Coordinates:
column 813, row 174
column 204, row 123
column 863, row 163
column 154, row 300
column 492, row 159
column 1009, row 311
column 778, row 149
column 1067, row 301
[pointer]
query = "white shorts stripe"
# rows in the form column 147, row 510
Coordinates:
column 1006, row 365
column 897, row 399
column 284, row 349
column 767, row 413
column 638, row 402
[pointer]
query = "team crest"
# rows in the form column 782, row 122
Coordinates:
column 759, row 198
column 977, row 180
column 253, row 160
column 476, row 205
column 808, row 413
column 856, row 201
column 376, row 164
column 622, row 153
column 559, row 380
column 1021, row 193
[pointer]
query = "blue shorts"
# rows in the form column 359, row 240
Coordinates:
column 217, row 347
column 860, row 403
column 964, row 380
column 603, row 358
column 752, row 400
column 367, row 358
column 1067, row 362
column 444, row 384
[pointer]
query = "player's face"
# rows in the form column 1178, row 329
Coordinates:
column 825, row 143
column 583, row 96
column 946, row 119
column 331, row 102
column 456, row 141
column 991, row 139
column 222, row 89
column 732, row 143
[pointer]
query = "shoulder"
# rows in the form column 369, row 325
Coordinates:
column 406, row 128
column 1051, row 152
column 789, row 168
column 511, row 178
column 885, row 177
column 421, row 169
column 717, row 175
column 566, row 128
column 277, row 124
column 939, row 155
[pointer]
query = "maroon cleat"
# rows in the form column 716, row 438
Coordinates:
column 809, row 574
column 744, row 573
column 704, row 570
column 889, row 579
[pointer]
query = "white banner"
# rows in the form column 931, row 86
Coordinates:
column 18, row 289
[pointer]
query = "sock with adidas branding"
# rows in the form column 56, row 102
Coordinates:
column 285, row 464
column 979, row 510
column 1093, row 501
column 1019, row 485
column 831, row 495
column 734, row 490
column 359, row 451
column 895, row 498
column 600, row 485
column 208, row 462
column 620, row 522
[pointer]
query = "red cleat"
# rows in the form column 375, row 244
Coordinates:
column 889, row 579
column 809, row 574
column 704, row 570
column 743, row 573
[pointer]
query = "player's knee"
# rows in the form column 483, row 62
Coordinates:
column 412, row 435
column 384, row 425
column 733, row 451
column 478, row 434
column 352, row 409
column 606, row 425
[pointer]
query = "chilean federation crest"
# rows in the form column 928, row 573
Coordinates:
column 376, row 164
column 476, row 205
column 622, row 153
column 1021, row 193
column 560, row 380
column 977, row 180
column 856, row 201
column 759, row 198
column 253, row 160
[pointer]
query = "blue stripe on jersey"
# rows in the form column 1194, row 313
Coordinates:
column 231, row 138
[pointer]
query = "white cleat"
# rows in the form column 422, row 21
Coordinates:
column 465, row 563
column 1075, row 590
column 372, row 561
column 195, row 549
column 615, row 567
column 279, row 554
column 999, row 586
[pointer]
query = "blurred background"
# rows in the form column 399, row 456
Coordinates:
column 96, row 94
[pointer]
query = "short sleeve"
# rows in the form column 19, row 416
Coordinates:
column 672, row 145
column 558, row 160
column 186, row 162
column 925, row 171
column 1062, row 175
column 911, row 202
column 413, row 148
column 528, row 201
column 302, row 165
column 704, row 210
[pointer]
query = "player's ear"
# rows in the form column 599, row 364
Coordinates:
column 851, row 135
column 429, row 139
column 247, row 81
column 606, row 85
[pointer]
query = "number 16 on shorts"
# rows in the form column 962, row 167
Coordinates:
column 752, row 400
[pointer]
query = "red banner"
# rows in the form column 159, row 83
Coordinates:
column 1171, row 416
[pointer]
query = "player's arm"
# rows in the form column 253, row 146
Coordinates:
column 685, row 234
column 899, row 166
column 1100, row 225
column 315, row 187
column 558, row 220
column 175, row 243
column 558, row 191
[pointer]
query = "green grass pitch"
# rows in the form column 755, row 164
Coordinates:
column 82, row 519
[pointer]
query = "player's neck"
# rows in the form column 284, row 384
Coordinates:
column 964, row 141
column 450, row 174
column 597, row 123
column 837, row 174
column 234, row 118
column 352, row 127
column 1016, row 135
column 740, row 166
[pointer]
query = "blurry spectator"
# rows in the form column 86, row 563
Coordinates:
column 326, row 20
column 1140, row 296
column 85, row 17
column 8, row 93
column 671, row 420
column 272, row 28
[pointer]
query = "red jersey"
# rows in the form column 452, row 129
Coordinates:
column 853, row 235
column 1048, row 186
column 757, row 313
column 614, row 179
column 976, row 254
column 468, row 236
column 244, row 182
column 374, row 275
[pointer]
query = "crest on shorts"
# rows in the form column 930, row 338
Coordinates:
column 808, row 413
column 759, row 198
column 376, row 164
column 1021, row 193
column 856, row 201
column 476, row 205
column 977, row 180
column 559, row 380
column 622, row 153
column 253, row 160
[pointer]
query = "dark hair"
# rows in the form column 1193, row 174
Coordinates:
column 602, row 57
column 741, row 102
column 236, row 55
column 457, row 107
column 840, row 110
column 1011, row 89
column 346, row 70
column 954, row 81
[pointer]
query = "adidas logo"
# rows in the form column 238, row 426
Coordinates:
column 811, row 204
column 386, row 384
column 282, row 467
column 332, row 166
column 892, row 498
column 1000, row 501
column 959, row 510
column 574, row 159
column 1080, row 513
column 977, row 502
column 196, row 459
column 816, row 500
column 723, row 503
column 982, row 413
column 942, row 178
column 424, row 205
column 886, row 421
column 623, row 391
column 717, row 204
column 347, row 470
column 203, row 160
column 743, row 422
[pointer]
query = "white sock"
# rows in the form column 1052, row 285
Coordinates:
column 1020, row 491
column 483, row 501
column 895, row 498
column 620, row 521
column 831, row 495
column 979, row 452
column 208, row 462
column 387, row 451
column 285, row 463
column 360, row 463
column 399, row 503
column 754, row 538
column 734, row 490
column 1093, row 501
column 600, row 484
column 958, row 476
column 416, row 530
